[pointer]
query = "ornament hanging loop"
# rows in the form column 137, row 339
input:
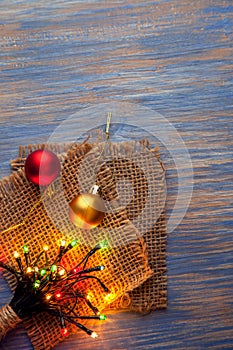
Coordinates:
column 108, row 125
column 94, row 189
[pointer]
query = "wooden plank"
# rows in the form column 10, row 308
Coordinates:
column 174, row 57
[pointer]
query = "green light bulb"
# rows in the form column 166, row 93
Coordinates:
column 53, row 268
column 104, row 244
column 43, row 272
column 36, row 284
column 25, row 249
column 74, row 243
column 103, row 317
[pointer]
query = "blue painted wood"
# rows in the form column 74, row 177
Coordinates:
column 172, row 56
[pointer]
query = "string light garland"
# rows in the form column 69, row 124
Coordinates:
column 50, row 287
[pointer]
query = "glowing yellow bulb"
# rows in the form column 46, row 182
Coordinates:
column 109, row 297
column 48, row 296
column 63, row 243
column 94, row 335
column 16, row 255
column 62, row 272
column 29, row 269
column 89, row 296
column 46, row 248
column 36, row 269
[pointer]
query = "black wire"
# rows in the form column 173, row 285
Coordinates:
column 97, row 279
column 38, row 258
column 92, row 317
column 89, row 254
column 82, row 278
column 73, row 276
column 79, row 325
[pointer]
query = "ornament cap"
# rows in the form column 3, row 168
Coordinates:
column 94, row 189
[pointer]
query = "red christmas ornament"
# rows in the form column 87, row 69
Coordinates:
column 42, row 167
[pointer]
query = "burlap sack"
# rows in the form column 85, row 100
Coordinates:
column 34, row 218
column 152, row 294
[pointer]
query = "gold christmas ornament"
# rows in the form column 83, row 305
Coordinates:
column 87, row 210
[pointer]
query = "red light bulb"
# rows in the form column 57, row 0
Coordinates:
column 77, row 269
column 64, row 332
column 58, row 295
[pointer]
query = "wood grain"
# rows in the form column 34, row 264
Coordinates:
column 174, row 57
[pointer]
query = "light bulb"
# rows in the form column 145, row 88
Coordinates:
column 74, row 243
column 25, row 249
column 58, row 295
column 64, row 332
column 43, row 272
column 61, row 272
column 103, row 317
column 63, row 243
column 103, row 244
column 53, row 268
column 36, row 284
column 94, row 335
column 16, row 255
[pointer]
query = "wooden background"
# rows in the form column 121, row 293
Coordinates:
column 174, row 57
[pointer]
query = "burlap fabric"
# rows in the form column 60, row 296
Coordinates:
column 152, row 294
column 130, row 222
